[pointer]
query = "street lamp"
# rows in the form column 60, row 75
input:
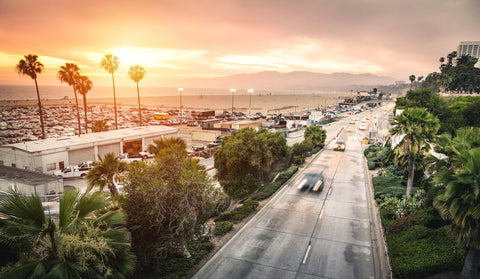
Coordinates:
column 181, row 107
column 233, row 91
column 250, row 102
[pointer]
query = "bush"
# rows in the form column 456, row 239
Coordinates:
column 430, row 252
column 223, row 227
column 371, row 165
column 387, row 186
column 269, row 188
column 224, row 216
column 243, row 211
column 177, row 267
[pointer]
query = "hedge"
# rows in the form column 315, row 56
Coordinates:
column 269, row 188
column 223, row 227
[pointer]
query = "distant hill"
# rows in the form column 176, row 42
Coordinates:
column 299, row 80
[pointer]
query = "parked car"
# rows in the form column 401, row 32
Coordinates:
column 362, row 126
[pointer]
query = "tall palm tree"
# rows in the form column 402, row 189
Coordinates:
column 417, row 126
column 69, row 74
column 30, row 66
column 70, row 245
column 104, row 171
column 136, row 73
column 412, row 79
column 460, row 203
column 83, row 85
column 110, row 64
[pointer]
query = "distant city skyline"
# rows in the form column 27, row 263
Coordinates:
column 186, row 39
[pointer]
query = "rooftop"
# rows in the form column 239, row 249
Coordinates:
column 85, row 139
column 25, row 176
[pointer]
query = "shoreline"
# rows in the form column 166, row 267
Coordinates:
column 257, row 103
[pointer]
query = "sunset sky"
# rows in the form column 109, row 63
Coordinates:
column 205, row 38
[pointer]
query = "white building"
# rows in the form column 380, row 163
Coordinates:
column 471, row 48
column 29, row 182
column 49, row 155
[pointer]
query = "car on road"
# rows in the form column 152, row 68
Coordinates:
column 362, row 126
column 339, row 145
column 311, row 181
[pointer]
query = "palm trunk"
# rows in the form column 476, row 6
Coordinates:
column 40, row 110
column 85, row 111
column 78, row 113
column 411, row 173
column 471, row 264
column 139, row 108
column 114, row 103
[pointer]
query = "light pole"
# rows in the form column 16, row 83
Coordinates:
column 250, row 91
column 233, row 91
column 181, row 107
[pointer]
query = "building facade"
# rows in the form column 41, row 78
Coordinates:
column 471, row 48
column 49, row 155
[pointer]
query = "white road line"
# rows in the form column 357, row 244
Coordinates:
column 306, row 254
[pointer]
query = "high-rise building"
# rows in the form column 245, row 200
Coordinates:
column 471, row 48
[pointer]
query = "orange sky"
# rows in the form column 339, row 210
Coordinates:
column 183, row 39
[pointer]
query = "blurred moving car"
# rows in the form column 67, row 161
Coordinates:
column 311, row 181
column 339, row 145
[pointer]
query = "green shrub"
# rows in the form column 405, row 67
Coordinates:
column 269, row 188
column 388, row 186
column 224, row 216
column 432, row 252
column 177, row 267
column 371, row 165
column 223, row 227
column 243, row 211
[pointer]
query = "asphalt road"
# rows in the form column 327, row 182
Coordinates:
column 301, row 234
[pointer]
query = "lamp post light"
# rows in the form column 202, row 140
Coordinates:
column 233, row 91
column 181, row 107
column 250, row 102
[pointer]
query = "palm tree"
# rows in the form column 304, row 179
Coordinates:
column 69, row 74
column 412, row 79
column 83, row 85
column 136, row 73
column 417, row 126
column 104, row 171
column 31, row 67
column 70, row 245
column 460, row 203
column 110, row 64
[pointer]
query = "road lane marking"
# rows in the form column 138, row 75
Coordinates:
column 321, row 214
column 306, row 254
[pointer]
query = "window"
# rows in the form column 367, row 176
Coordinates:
column 51, row 166
column 61, row 165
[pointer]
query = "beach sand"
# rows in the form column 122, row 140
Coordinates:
column 263, row 103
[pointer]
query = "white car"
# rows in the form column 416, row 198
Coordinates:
column 362, row 126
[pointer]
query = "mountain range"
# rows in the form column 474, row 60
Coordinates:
column 298, row 80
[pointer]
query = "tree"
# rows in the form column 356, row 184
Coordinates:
column 103, row 172
column 460, row 203
column 163, row 206
column 110, row 64
column 412, row 79
column 30, row 66
column 84, row 241
column 316, row 135
column 416, row 125
column 246, row 158
column 70, row 74
column 83, row 85
column 99, row 125
column 136, row 73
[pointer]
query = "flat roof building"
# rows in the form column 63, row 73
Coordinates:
column 471, row 48
column 48, row 155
